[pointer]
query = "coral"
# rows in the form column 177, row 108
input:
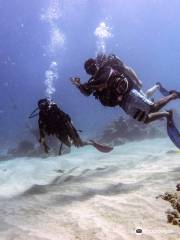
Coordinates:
column 127, row 129
column 173, row 216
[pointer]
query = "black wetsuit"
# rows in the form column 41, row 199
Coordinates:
column 53, row 121
column 107, row 86
column 116, row 64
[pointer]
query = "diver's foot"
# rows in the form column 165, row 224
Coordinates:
column 170, row 116
column 159, row 84
column 176, row 93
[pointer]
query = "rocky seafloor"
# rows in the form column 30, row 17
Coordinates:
column 87, row 195
column 118, row 132
column 126, row 129
column 173, row 214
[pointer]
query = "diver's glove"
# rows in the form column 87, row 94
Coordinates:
column 75, row 81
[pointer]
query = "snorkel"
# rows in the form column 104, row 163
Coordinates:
column 34, row 113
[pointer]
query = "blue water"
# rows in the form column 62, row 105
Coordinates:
column 84, row 195
column 145, row 34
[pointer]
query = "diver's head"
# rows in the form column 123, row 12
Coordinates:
column 90, row 66
column 43, row 104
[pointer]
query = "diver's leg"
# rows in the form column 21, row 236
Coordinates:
column 43, row 141
column 64, row 139
column 162, row 102
column 156, row 116
column 151, row 91
column 46, row 147
column 172, row 131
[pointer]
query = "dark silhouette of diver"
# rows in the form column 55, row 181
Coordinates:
column 115, row 84
column 53, row 121
column 117, row 64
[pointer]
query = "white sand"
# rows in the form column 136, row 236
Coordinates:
column 98, row 197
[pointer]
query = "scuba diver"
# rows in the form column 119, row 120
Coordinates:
column 53, row 121
column 113, row 84
column 117, row 64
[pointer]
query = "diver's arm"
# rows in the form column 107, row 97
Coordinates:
column 42, row 137
column 84, row 88
column 41, row 130
column 99, row 82
column 63, row 115
column 132, row 75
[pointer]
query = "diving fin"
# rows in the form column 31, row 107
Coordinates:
column 173, row 132
column 162, row 90
column 100, row 147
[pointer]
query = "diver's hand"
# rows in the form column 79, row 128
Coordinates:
column 75, row 81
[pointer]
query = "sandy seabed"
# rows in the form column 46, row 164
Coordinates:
column 87, row 195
